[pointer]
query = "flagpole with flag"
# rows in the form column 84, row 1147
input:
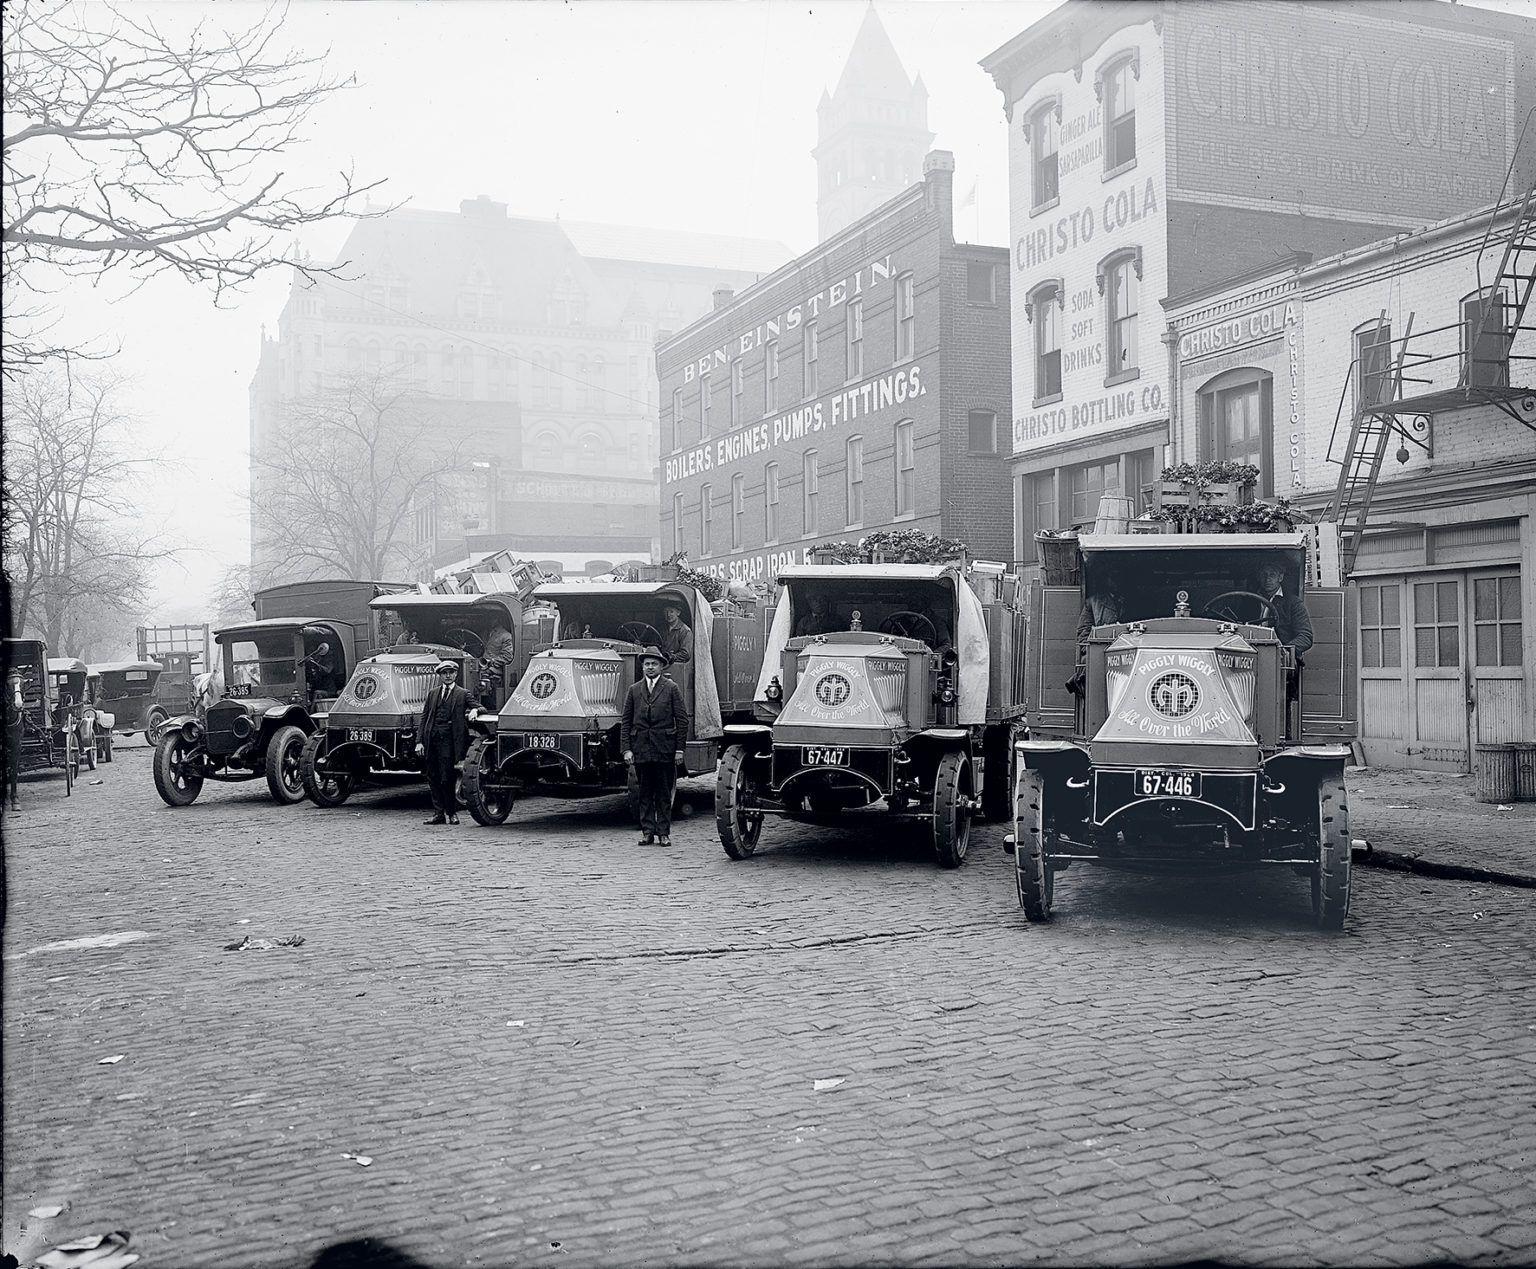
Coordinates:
column 970, row 201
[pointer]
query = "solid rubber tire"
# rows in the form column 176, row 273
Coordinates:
column 734, row 788
column 1031, row 875
column 951, row 820
column 1331, row 881
column 488, row 808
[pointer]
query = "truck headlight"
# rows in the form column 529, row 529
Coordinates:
column 774, row 691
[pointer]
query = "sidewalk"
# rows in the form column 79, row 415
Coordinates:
column 1429, row 822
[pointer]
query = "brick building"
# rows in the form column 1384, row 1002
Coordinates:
column 1396, row 345
column 1158, row 148
column 526, row 342
column 862, row 386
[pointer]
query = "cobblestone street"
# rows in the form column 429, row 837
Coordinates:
column 554, row 1045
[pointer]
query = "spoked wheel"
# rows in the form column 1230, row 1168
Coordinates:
column 1032, row 875
column 285, row 752
column 106, row 747
column 89, row 750
column 177, row 779
column 736, row 814
column 155, row 728
column 325, row 785
column 1330, row 878
column 489, row 802
column 952, row 809
column 71, row 763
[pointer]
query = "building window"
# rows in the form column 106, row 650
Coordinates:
column 983, row 431
column 771, row 503
column 1141, row 470
column 854, row 329
column 1373, row 364
column 1044, row 131
column 677, row 420
column 556, row 384
column 541, row 381
column 1436, row 624
column 1381, row 626
column 906, row 468
column 545, row 447
column 1119, row 284
column 1043, row 309
column 1236, row 420
column 737, row 414
column 1040, row 509
column 591, row 447
column 810, row 486
column 812, row 351
column 854, row 470
column 677, row 523
column 1088, row 483
column 1496, row 628
column 706, row 404
column 770, row 376
column 1119, row 95
column 1485, row 340
column 980, row 283
column 706, row 521
column 906, row 318
column 738, row 510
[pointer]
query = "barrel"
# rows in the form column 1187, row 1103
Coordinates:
column 1496, row 773
column 1115, row 513
column 1525, row 772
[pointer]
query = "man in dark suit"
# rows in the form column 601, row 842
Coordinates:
column 443, row 740
column 1289, row 616
column 652, row 735
column 677, row 636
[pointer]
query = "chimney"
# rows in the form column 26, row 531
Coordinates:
column 723, row 295
column 482, row 208
column 939, row 177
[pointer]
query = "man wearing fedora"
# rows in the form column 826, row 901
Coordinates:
column 652, row 735
column 443, row 740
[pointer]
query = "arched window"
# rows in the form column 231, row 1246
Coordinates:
column 546, row 446
column 1042, row 308
column 1116, row 88
column 371, row 355
column 1042, row 129
column 1373, row 363
column 591, row 447
column 1236, row 421
column 1120, row 285
column 1485, row 338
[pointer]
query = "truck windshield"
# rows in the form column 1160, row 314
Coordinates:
column 263, row 661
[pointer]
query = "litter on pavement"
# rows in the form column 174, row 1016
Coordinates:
column 94, row 1251
column 113, row 1060
column 46, row 1213
column 820, row 1085
column 362, row 1160
column 248, row 944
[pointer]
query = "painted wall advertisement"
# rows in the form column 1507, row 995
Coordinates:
column 1266, row 98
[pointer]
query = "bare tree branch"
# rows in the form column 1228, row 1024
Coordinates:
column 128, row 149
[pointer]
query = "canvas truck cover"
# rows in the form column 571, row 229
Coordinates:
column 971, row 646
column 701, row 618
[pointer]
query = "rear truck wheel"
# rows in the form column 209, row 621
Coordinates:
column 1330, row 880
column 952, row 809
column 736, row 813
column 155, row 726
column 489, row 802
column 177, row 777
column 997, row 775
column 325, row 787
column 1032, row 876
column 285, row 752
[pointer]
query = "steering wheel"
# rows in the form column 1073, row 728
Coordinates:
column 641, row 633
column 906, row 624
column 464, row 632
column 1226, row 613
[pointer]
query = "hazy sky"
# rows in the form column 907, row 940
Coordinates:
column 693, row 114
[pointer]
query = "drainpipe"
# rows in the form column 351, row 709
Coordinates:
column 1174, row 452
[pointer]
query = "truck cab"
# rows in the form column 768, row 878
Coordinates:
column 1190, row 705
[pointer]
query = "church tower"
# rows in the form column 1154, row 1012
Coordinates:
column 872, row 132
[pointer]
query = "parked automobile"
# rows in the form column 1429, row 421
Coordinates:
column 75, row 709
column 891, row 684
column 40, row 733
column 1186, row 735
column 127, row 691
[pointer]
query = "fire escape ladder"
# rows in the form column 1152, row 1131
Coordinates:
column 1506, row 301
column 1370, row 429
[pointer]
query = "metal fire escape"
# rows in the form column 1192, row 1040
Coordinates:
column 1400, row 385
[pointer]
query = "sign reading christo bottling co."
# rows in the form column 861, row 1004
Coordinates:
column 1335, row 109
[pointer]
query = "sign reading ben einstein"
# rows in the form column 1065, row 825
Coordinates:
column 883, row 394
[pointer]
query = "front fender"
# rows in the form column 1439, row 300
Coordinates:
column 756, row 738
column 285, row 715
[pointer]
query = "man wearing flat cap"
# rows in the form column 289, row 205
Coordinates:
column 442, row 740
column 652, row 736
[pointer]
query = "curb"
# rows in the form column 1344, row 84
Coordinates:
column 1365, row 854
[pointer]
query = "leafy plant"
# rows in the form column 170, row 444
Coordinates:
column 1215, row 472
